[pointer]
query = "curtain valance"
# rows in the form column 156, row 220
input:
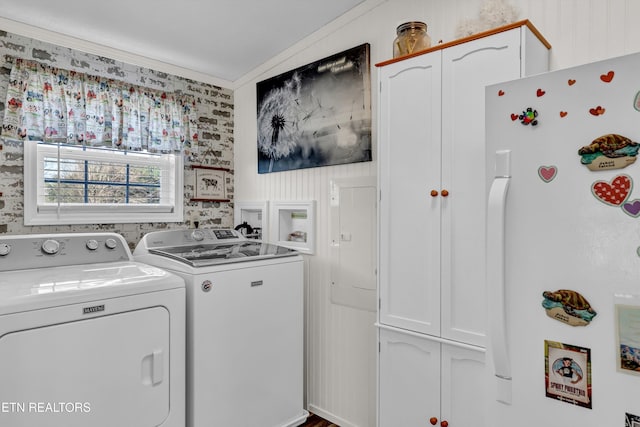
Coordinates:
column 51, row 104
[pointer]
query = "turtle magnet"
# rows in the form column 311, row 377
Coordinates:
column 610, row 151
column 529, row 117
column 568, row 307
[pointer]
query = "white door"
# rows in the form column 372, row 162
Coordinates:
column 463, row 386
column 466, row 70
column 353, row 230
column 103, row 372
column 409, row 215
column 409, row 380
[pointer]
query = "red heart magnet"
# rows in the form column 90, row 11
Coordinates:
column 607, row 77
column 540, row 92
column 547, row 173
column 614, row 193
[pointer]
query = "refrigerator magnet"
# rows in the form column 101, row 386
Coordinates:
column 547, row 173
column 529, row 117
column 568, row 306
column 597, row 111
column 632, row 208
column 628, row 336
column 636, row 102
column 613, row 193
column 568, row 373
column 610, row 151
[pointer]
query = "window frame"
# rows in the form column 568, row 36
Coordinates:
column 38, row 212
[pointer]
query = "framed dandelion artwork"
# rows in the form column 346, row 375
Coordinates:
column 316, row 115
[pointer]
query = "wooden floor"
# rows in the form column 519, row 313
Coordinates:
column 316, row 421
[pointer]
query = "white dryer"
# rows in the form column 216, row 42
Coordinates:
column 88, row 337
column 245, row 324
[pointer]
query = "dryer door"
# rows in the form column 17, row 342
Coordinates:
column 105, row 371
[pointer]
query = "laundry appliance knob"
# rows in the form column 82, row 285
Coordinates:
column 92, row 244
column 50, row 247
column 4, row 249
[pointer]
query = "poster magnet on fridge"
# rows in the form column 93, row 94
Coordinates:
column 628, row 334
column 568, row 373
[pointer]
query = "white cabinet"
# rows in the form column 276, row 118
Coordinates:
column 432, row 222
column 432, row 207
column 441, row 384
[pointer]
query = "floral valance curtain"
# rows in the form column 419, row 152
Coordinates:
column 55, row 105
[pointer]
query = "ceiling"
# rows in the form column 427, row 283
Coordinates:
column 224, row 39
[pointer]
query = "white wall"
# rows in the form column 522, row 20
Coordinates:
column 341, row 345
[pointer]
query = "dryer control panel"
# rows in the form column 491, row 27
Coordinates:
column 56, row 250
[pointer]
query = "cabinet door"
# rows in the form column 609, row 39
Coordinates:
column 466, row 70
column 409, row 380
column 409, row 156
column 463, row 386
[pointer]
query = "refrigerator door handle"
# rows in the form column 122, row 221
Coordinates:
column 498, row 341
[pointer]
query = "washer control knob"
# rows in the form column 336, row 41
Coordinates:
column 92, row 244
column 4, row 249
column 110, row 243
column 197, row 235
column 50, row 247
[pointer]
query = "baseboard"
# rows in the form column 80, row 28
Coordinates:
column 330, row 417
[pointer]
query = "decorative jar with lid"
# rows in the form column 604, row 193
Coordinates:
column 411, row 37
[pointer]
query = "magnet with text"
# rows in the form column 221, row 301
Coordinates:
column 610, row 151
column 568, row 306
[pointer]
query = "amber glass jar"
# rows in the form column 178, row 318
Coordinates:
column 411, row 37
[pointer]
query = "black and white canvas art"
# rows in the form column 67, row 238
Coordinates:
column 316, row 115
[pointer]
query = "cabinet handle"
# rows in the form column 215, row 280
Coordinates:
column 434, row 421
column 434, row 193
column 444, row 193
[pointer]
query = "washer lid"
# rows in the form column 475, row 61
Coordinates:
column 23, row 290
column 223, row 253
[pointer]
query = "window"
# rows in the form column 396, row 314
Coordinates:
column 73, row 184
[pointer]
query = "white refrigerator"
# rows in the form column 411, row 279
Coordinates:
column 563, row 251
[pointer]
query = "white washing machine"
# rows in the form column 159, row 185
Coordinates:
column 88, row 337
column 245, row 341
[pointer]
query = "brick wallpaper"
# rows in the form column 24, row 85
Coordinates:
column 215, row 133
